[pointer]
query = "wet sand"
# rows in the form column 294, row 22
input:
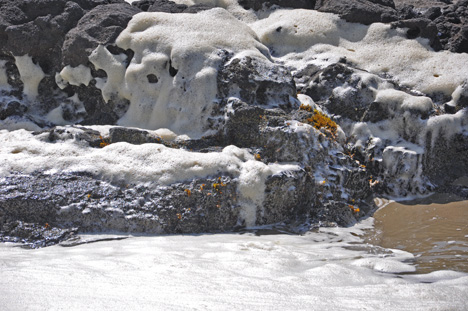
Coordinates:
column 436, row 233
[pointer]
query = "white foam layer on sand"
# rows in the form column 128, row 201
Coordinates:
column 328, row 270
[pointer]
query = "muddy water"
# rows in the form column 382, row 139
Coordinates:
column 436, row 233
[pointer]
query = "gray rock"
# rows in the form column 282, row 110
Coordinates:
column 446, row 159
column 450, row 20
column 12, row 108
column 133, row 136
column 168, row 6
column 259, row 83
column 359, row 11
column 421, row 27
column 321, row 84
column 101, row 25
column 259, row 4
column 34, row 235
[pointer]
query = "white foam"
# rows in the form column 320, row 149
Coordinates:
column 74, row 76
column 191, row 45
column 114, row 66
column 308, row 102
column 398, row 101
column 117, row 162
column 322, row 38
column 31, row 75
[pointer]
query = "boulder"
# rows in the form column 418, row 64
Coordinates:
column 448, row 27
column 99, row 26
column 359, row 11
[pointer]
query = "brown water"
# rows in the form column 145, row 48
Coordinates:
column 436, row 233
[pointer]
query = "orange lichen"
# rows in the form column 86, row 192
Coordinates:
column 104, row 142
column 188, row 192
column 217, row 186
column 320, row 120
column 306, row 108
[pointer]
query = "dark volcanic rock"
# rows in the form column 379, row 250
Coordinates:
column 355, row 11
column 442, row 22
column 320, row 86
column 41, row 34
column 34, row 235
column 259, row 83
column 259, row 4
column 203, row 205
column 56, row 33
column 12, row 108
column 446, row 159
column 167, row 6
column 359, row 11
column 101, row 25
column 38, row 27
column 421, row 27
column 133, row 136
column 450, row 20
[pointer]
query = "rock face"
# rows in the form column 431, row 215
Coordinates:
column 361, row 11
column 308, row 145
column 445, row 24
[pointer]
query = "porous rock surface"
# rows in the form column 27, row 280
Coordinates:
column 263, row 113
